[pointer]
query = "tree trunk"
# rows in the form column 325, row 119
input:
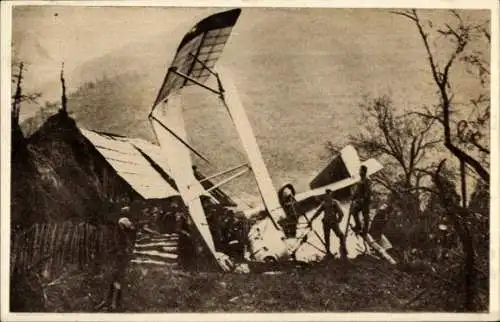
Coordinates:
column 468, row 247
column 457, row 215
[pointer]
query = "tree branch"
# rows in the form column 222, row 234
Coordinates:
column 427, row 116
column 406, row 14
column 479, row 146
column 469, row 160
column 461, row 37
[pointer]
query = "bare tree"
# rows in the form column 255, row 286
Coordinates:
column 19, row 96
column 466, row 41
column 17, row 99
column 457, row 215
column 459, row 45
column 401, row 142
column 18, row 140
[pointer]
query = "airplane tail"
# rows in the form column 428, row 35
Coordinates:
column 342, row 166
column 342, row 172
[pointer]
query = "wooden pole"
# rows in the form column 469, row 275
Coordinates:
column 37, row 254
column 46, row 241
column 58, row 261
column 66, row 241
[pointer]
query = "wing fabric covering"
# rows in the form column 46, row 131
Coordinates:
column 195, row 57
column 249, row 142
column 179, row 161
column 204, row 43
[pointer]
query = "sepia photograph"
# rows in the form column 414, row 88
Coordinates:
column 234, row 159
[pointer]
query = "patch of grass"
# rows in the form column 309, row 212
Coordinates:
column 364, row 286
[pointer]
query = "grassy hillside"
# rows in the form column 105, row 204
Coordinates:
column 291, row 140
column 299, row 84
column 300, row 74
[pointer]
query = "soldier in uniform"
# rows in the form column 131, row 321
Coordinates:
column 333, row 216
column 361, row 202
column 126, row 236
column 286, row 196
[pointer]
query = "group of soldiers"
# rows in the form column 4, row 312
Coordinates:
column 333, row 214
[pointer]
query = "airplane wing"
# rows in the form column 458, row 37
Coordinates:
column 199, row 49
column 179, row 161
column 373, row 166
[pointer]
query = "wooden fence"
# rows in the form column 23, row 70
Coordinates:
column 50, row 247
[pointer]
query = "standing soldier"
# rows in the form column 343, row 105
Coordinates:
column 333, row 215
column 125, row 244
column 178, row 214
column 361, row 202
column 286, row 196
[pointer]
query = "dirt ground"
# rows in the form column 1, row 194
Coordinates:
column 365, row 285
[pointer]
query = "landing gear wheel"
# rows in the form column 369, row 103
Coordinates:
column 270, row 260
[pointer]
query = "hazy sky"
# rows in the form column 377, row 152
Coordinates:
column 292, row 66
column 370, row 50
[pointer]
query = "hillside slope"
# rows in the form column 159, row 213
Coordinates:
column 294, row 80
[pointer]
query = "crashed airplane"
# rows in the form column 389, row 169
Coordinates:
column 267, row 240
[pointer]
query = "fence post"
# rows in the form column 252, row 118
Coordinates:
column 50, row 261
column 37, row 254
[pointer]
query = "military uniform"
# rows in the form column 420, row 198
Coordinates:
column 126, row 236
column 361, row 203
column 290, row 222
column 331, row 221
column 125, row 248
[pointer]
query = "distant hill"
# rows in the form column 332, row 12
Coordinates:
column 294, row 80
column 291, row 137
column 300, row 73
column 300, row 80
